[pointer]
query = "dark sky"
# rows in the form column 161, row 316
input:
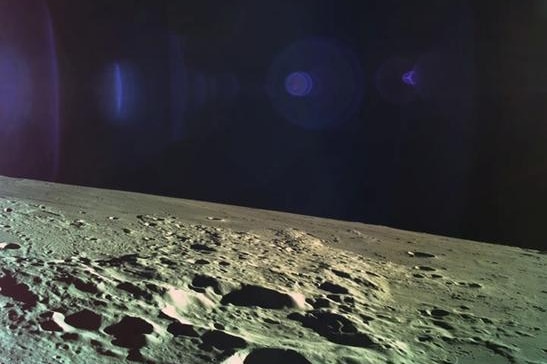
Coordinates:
column 465, row 157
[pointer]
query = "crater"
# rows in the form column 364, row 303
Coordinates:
column 275, row 356
column 178, row 329
column 221, row 341
column 134, row 290
column 424, row 268
column 9, row 246
column 203, row 281
column 421, row 255
column 9, row 287
column 129, row 332
column 85, row 320
column 439, row 312
column 341, row 274
column 333, row 288
column 250, row 295
column 202, row 248
column 334, row 327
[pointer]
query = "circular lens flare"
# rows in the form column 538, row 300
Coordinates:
column 316, row 83
column 299, row 84
column 409, row 78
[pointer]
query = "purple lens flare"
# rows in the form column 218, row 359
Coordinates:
column 409, row 78
column 299, row 84
column 29, row 91
column 15, row 91
column 398, row 81
column 118, row 89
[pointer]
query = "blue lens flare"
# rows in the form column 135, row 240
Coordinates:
column 120, row 93
column 316, row 83
column 29, row 91
column 15, row 91
column 118, row 89
column 409, row 78
column 299, row 84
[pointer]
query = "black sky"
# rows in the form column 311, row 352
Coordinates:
column 471, row 165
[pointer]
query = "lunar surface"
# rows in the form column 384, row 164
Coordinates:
column 99, row 276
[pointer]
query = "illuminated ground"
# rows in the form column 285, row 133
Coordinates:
column 100, row 276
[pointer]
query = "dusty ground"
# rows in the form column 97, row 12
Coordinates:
column 97, row 276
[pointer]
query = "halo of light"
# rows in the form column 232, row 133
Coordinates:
column 326, row 94
column 15, row 91
column 299, row 84
column 409, row 78
column 29, row 91
column 396, row 81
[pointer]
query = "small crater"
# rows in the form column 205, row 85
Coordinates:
column 249, row 296
column 500, row 350
column 424, row 268
column 202, row 281
column 334, row 327
column 474, row 285
column 79, row 284
column 335, row 298
column 18, row 291
column 129, row 332
column 439, row 313
column 420, row 254
column 47, row 324
column 424, row 338
column 202, row 248
column 443, row 325
column 318, row 303
column 168, row 262
column 221, row 341
column 178, row 329
column 134, row 290
column 333, row 288
column 78, row 223
column 85, row 320
column 70, row 336
column 201, row 262
column 219, row 326
column 213, row 218
column 275, row 356
column 367, row 283
column 129, row 259
column 341, row 274
column 9, row 246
